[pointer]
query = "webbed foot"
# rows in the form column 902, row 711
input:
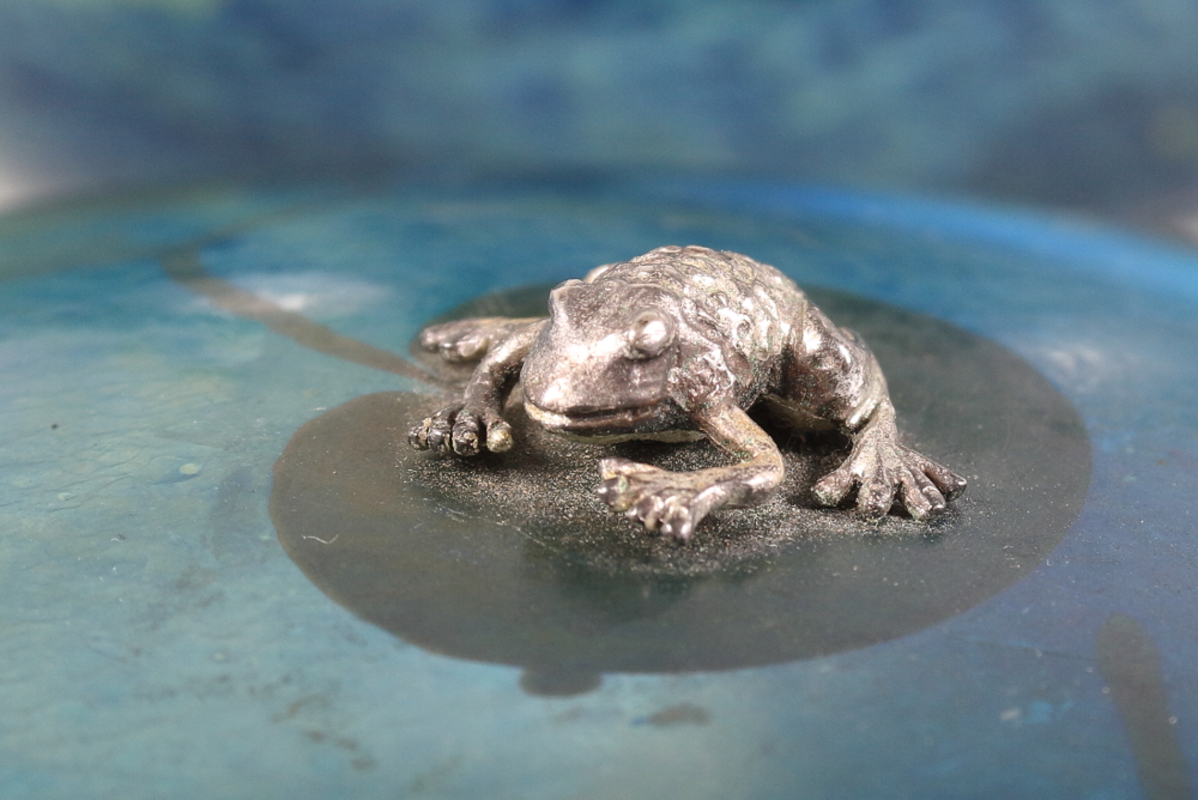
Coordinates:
column 463, row 431
column 883, row 472
column 671, row 502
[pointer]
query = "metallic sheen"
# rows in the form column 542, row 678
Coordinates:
column 679, row 342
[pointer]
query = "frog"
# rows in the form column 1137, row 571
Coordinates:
column 679, row 344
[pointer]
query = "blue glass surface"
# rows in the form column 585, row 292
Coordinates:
column 156, row 641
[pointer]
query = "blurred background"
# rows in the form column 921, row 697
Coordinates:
column 1063, row 103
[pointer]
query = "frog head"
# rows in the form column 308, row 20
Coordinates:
column 601, row 366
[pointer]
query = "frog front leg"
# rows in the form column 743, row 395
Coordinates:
column 835, row 379
column 675, row 502
column 476, row 423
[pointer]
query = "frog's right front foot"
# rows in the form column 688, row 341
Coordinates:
column 461, row 430
column 670, row 502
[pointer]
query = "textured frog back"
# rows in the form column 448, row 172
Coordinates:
column 734, row 301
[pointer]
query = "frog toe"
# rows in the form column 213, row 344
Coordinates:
column 876, row 495
column 465, row 439
column 669, row 514
column 833, row 488
column 920, row 496
column 647, row 511
column 499, row 436
column 435, row 432
column 440, row 431
column 679, row 524
column 950, row 484
column 418, row 434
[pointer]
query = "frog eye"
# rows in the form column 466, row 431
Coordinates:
column 650, row 333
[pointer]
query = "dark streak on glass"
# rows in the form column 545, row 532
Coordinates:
column 1130, row 666
column 184, row 268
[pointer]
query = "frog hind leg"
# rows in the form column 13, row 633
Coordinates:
column 462, row 340
column 675, row 502
column 836, row 380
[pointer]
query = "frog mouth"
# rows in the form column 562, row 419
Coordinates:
column 600, row 421
column 610, row 425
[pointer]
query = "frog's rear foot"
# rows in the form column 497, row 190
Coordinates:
column 464, row 339
column 886, row 473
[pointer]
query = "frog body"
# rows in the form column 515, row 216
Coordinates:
column 675, row 344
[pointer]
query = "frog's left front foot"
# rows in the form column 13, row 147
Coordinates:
column 884, row 471
column 672, row 502
column 463, row 430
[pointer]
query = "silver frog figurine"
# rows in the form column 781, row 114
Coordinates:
column 677, row 344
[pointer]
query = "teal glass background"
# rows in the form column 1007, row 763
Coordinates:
column 158, row 642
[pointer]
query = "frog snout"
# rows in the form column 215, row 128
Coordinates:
column 552, row 394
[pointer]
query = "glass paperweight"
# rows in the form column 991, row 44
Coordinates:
column 224, row 572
